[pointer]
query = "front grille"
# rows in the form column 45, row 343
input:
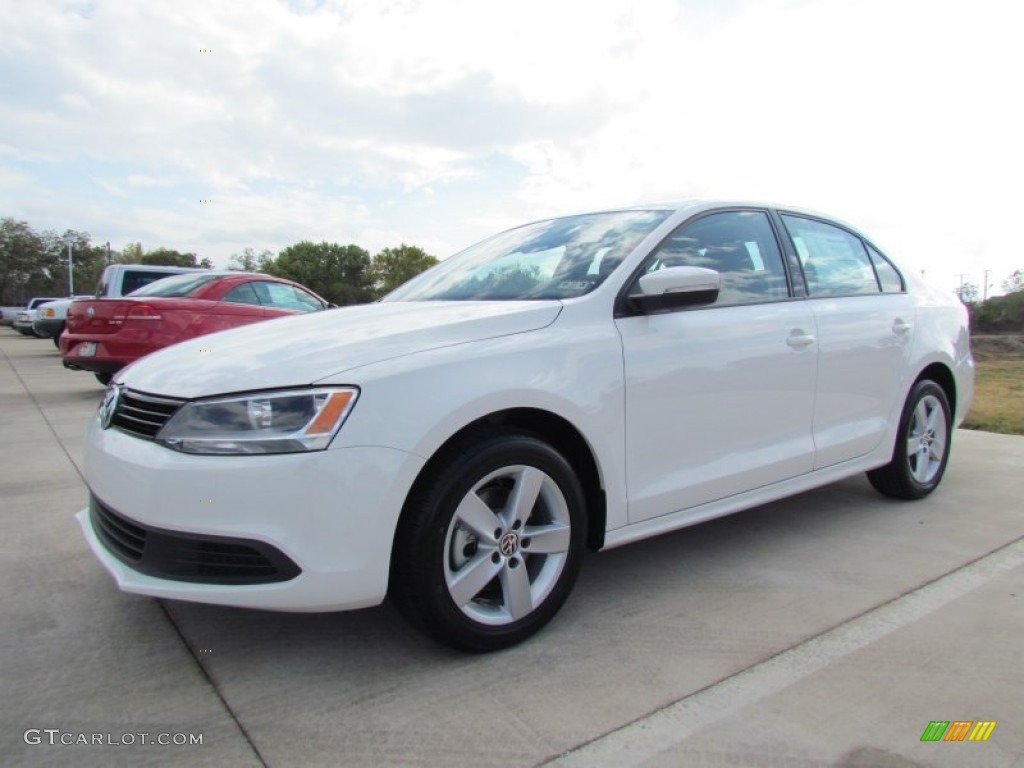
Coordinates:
column 188, row 556
column 126, row 540
column 143, row 415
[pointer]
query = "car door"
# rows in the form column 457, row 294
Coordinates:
column 719, row 398
column 865, row 329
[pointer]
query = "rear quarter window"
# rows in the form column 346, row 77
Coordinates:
column 889, row 277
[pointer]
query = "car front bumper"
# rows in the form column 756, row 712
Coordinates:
column 332, row 513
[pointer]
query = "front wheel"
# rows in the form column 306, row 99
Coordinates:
column 104, row 378
column 922, row 445
column 489, row 546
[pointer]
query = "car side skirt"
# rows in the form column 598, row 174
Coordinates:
column 754, row 498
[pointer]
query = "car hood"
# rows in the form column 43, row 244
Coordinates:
column 297, row 351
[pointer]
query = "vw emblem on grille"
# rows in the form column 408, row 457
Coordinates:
column 509, row 544
column 109, row 404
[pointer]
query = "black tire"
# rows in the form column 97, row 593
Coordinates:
column 56, row 336
column 927, row 425
column 441, row 545
column 104, row 378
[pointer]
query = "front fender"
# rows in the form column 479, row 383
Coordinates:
column 418, row 402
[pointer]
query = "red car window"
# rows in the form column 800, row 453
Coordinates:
column 242, row 294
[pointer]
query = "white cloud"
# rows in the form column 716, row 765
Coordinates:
column 431, row 122
column 13, row 179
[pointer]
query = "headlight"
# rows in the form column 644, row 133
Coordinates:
column 262, row 422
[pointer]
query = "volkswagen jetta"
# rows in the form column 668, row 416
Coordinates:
column 584, row 381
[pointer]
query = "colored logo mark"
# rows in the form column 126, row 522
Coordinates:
column 958, row 730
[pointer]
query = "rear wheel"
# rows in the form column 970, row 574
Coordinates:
column 56, row 336
column 922, row 445
column 488, row 550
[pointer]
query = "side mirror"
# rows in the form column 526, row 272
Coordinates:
column 675, row 288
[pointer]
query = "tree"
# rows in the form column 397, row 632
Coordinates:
column 969, row 293
column 36, row 263
column 394, row 266
column 88, row 261
column 1015, row 282
column 131, row 254
column 22, row 253
column 1000, row 314
column 251, row 261
column 168, row 257
column 339, row 273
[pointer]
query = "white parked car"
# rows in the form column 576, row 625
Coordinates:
column 26, row 317
column 51, row 317
column 585, row 381
column 8, row 315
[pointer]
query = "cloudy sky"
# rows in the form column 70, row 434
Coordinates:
column 215, row 125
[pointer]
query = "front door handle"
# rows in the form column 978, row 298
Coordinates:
column 900, row 326
column 799, row 340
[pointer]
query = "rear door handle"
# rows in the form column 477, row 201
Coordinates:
column 798, row 339
column 900, row 326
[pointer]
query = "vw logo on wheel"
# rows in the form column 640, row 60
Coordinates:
column 509, row 544
column 109, row 404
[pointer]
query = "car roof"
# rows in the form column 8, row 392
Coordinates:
column 682, row 207
column 695, row 205
column 220, row 273
column 155, row 268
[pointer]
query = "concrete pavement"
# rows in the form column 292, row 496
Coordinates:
column 824, row 630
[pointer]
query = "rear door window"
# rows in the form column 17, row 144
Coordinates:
column 834, row 261
column 242, row 294
column 284, row 296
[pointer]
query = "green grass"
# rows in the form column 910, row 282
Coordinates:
column 998, row 397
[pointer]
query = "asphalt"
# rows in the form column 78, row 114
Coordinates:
column 828, row 629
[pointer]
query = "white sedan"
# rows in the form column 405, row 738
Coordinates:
column 584, row 381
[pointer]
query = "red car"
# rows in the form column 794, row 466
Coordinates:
column 104, row 335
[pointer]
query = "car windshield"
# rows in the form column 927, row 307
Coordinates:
column 178, row 285
column 555, row 259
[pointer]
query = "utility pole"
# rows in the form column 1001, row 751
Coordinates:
column 108, row 251
column 984, row 286
column 71, row 272
column 960, row 291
